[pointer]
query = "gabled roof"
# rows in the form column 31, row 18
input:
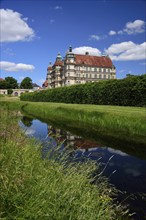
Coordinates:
column 35, row 85
column 96, row 61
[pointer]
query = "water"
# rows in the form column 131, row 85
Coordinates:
column 126, row 172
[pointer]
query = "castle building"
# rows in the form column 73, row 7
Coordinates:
column 79, row 69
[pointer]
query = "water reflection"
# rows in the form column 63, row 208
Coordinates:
column 125, row 171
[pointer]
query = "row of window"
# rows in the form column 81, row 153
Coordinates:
column 100, row 76
column 95, row 69
column 91, row 76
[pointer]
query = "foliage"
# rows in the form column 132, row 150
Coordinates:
column 9, row 83
column 26, row 83
column 36, row 188
column 10, row 91
column 130, row 91
column 12, row 82
column 3, row 84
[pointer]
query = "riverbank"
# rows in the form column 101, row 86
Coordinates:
column 122, row 126
column 36, row 188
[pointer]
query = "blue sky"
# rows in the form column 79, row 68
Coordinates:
column 33, row 32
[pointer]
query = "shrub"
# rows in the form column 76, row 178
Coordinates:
column 130, row 91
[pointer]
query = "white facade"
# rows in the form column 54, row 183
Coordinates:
column 79, row 69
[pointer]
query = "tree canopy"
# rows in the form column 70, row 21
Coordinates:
column 26, row 83
column 8, row 83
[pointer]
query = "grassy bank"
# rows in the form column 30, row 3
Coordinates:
column 122, row 127
column 32, row 188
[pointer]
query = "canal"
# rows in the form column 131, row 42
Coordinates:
column 126, row 171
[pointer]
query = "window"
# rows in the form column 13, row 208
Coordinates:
column 95, row 75
column 95, row 69
column 100, row 76
column 86, row 75
column 104, row 76
column 86, row 68
column 104, row 70
column 108, row 76
column 99, row 69
column 90, row 75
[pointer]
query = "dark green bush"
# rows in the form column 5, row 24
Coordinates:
column 130, row 91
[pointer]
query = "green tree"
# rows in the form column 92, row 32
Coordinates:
column 11, row 83
column 26, row 83
column 3, row 84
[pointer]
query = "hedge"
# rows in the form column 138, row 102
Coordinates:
column 130, row 91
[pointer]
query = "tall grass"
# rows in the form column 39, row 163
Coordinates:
column 36, row 188
column 107, row 122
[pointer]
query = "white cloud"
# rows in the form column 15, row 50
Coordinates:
column 112, row 33
column 94, row 37
column 135, row 27
column 127, row 51
column 14, row 67
column 138, row 26
column 58, row 7
column 14, row 27
column 84, row 49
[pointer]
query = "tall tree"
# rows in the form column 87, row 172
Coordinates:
column 11, row 83
column 26, row 83
column 3, row 84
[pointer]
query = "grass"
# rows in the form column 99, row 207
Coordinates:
column 116, row 126
column 36, row 188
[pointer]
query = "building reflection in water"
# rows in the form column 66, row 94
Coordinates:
column 68, row 139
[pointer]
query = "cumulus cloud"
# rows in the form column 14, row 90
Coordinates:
column 127, row 51
column 94, row 37
column 112, row 33
column 14, row 27
column 135, row 27
column 15, row 67
column 84, row 49
column 138, row 26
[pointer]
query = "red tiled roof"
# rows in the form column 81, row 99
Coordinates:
column 58, row 63
column 1, row 79
column 96, row 61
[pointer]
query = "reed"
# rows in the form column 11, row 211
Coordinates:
column 36, row 188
